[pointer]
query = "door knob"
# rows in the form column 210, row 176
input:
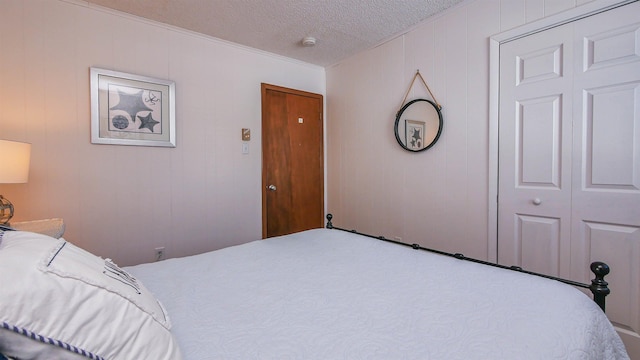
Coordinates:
column 537, row 201
column 271, row 187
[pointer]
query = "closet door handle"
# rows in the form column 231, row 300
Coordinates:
column 537, row 201
column 271, row 187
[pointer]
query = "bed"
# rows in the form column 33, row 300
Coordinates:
column 317, row 294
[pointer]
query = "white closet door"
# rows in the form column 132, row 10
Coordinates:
column 534, row 200
column 569, row 156
column 606, row 160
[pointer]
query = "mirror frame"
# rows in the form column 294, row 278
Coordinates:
column 399, row 115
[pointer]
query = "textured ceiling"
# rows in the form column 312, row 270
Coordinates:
column 341, row 27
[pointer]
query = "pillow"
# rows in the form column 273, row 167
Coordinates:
column 3, row 229
column 59, row 295
column 24, row 344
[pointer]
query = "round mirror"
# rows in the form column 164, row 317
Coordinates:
column 418, row 125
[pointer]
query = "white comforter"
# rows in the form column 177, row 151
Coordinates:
column 328, row 294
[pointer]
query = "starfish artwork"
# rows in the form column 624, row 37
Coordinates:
column 416, row 138
column 147, row 122
column 132, row 104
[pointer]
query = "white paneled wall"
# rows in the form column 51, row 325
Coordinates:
column 122, row 201
column 437, row 198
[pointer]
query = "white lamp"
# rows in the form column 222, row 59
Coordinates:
column 14, row 169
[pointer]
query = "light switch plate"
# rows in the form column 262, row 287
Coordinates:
column 246, row 134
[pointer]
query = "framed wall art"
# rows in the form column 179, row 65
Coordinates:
column 129, row 109
column 415, row 134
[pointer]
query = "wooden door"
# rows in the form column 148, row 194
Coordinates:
column 569, row 156
column 292, row 161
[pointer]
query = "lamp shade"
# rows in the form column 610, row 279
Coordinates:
column 14, row 162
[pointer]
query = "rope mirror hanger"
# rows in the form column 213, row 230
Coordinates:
column 419, row 122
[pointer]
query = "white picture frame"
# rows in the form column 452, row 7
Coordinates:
column 128, row 109
column 415, row 134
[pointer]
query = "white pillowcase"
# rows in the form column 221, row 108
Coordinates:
column 56, row 291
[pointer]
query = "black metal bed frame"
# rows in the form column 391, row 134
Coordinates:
column 599, row 287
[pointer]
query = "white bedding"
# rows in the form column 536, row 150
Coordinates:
column 328, row 294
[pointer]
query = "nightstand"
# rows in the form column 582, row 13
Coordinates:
column 50, row 227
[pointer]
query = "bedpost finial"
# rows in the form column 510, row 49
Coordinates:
column 329, row 224
column 600, row 269
column 599, row 287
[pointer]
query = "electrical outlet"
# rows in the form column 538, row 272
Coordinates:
column 160, row 253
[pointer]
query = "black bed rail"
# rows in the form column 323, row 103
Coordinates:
column 599, row 287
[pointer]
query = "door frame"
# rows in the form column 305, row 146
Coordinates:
column 495, row 41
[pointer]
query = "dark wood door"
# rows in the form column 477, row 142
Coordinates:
column 292, row 161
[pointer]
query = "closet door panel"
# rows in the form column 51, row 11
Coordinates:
column 606, row 161
column 534, row 202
